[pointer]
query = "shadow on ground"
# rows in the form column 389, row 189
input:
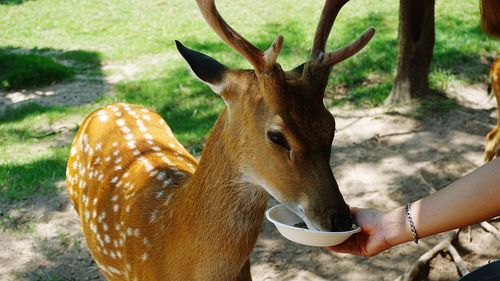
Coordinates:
column 87, row 84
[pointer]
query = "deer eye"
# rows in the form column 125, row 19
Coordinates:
column 278, row 139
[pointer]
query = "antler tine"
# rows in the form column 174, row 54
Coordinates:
column 351, row 49
column 259, row 60
column 327, row 18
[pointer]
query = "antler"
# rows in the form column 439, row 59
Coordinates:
column 328, row 16
column 259, row 60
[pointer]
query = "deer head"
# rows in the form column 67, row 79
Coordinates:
column 278, row 129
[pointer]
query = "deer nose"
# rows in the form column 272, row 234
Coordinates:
column 342, row 221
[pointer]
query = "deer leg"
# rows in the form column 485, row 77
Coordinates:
column 245, row 272
column 492, row 147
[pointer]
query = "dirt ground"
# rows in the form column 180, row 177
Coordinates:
column 382, row 157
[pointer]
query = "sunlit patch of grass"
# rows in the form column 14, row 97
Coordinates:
column 31, row 162
column 22, row 178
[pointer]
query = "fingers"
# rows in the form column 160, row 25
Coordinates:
column 347, row 247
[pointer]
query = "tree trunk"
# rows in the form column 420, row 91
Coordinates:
column 416, row 41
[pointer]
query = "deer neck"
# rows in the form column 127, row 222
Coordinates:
column 222, row 197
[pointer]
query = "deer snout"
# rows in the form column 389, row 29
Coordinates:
column 342, row 221
column 331, row 219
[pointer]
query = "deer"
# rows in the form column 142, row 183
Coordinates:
column 492, row 147
column 149, row 210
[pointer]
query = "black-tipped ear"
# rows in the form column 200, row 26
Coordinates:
column 296, row 72
column 299, row 69
column 204, row 67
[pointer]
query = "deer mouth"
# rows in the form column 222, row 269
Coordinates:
column 329, row 221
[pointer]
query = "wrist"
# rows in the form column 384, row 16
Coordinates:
column 395, row 227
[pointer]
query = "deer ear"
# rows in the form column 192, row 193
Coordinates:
column 208, row 70
column 299, row 69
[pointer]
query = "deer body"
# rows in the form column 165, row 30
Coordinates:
column 143, row 213
column 492, row 147
column 150, row 211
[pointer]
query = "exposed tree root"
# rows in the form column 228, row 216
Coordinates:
column 458, row 260
column 419, row 268
column 491, row 229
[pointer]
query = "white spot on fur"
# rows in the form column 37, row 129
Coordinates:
column 131, row 144
column 154, row 217
column 125, row 129
column 103, row 117
column 169, row 199
column 120, row 122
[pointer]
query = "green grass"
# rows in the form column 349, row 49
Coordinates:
column 21, row 71
column 33, row 175
column 31, row 163
column 142, row 33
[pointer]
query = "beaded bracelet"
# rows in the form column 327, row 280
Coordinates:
column 412, row 224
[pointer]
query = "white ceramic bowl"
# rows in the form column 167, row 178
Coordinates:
column 284, row 220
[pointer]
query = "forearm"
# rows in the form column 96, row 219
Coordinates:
column 472, row 199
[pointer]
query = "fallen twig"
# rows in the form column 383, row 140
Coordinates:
column 426, row 183
column 379, row 136
column 491, row 229
column 457, row 259
column 49, row 133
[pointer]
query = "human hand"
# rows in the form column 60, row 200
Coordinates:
column 377, row 228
